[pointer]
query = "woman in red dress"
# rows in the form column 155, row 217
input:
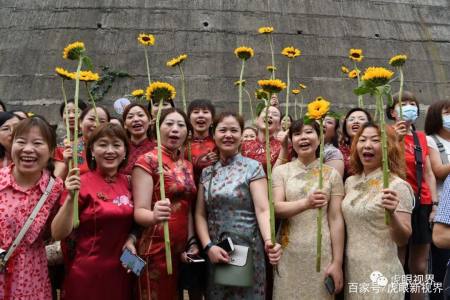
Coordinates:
column 92, row 251
column 203, row 149
column 136, row 121
column 63, row 152
column 150, row 211
column 279, row 152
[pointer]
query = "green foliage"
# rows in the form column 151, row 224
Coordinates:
column 107, row 77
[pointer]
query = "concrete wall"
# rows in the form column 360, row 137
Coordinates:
column 33, row 34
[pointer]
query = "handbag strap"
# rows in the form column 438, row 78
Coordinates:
column 419, row 166
column 28, row 222
column 441, row 148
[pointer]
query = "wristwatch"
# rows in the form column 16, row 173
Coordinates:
column 208, row 246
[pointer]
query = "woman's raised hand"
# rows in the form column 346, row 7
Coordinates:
column 73, row 182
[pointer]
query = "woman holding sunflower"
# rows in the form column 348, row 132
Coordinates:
column 296, row 197
column 279, row 143
column 151, row 211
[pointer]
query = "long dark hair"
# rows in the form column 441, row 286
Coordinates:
column 346, row 136
column 433, row 120
column 5, row 116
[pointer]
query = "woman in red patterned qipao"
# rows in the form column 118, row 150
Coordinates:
column 150, row 211
column 136, row 121
column 279, row 153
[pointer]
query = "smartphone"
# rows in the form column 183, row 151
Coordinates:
column 226, row 244
column 195, row 258
column 329, row 285
column 132, row 262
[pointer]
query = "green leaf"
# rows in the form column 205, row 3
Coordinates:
column 307, row 120
column 334, row 115
column 390, row 101
column 259, row 107
column 87, row 62
column 362, row 90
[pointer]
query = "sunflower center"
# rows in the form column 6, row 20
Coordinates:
column 355, row 55
column 146, row 39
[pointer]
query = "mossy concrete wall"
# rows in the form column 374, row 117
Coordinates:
column 33, row 34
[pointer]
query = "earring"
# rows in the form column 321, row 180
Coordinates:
column 93, row 157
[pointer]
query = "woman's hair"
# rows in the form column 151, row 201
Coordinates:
column 297, row 126
column 201, row 104
column 226, row 114
column 406, row 96
column 90, row 107
column 47, row 132
column 5, row 116
column 3, row 105
column 346, row 136
column 396, row 159
column 250, row 128
column 106, row 130
column 81, row 105
column 335, row 140
column 167, row 112
column 127, row 110
column 149, row 105
column 433, row 120
column 18, row 113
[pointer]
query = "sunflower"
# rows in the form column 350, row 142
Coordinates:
column 355, row 54
column 265, row 30
column 271, row 68
column 88, row 76
column 146, row 39
column 73, row 51
column 261, row 94
column 344, row 70
column 377, row 75
column 295, row 92
column 353, row 74
column 176, row 61
column 244, row 52
column 398, row 60
column 291, row 52
column 272, row 85
column 160, row 90
column 64, row 73
column 302, row 86
column 239, row 82
column 137, row 93
column 318, row 108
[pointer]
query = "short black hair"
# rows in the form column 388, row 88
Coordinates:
column 201, row 103
column 297, row 126
column 433, row 120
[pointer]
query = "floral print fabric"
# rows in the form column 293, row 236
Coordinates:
column 26, row 276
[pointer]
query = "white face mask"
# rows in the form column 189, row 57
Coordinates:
column 409, row 113
column 446, row 122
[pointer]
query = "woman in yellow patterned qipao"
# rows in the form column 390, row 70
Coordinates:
column 373, row 269
column 296, row 196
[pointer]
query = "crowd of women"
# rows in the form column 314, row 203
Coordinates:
column 216, row 186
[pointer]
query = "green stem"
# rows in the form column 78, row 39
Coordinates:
column 183, row 88
column 76, row 220
column 241, row 86
column 400, row 93
column 320, row 212
column 360, row 97
column 163, row 191
column 301, row 105
column 286, row 115
column 251, row 105
column 148, row 68
column 272, row 54
column 295, row 108
column 66, row 111
column 384, row 151
column 269, row 174
column 93, row 103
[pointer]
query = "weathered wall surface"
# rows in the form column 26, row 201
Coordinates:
column 33, row 34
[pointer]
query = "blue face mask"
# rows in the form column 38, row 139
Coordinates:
column 446, row 122
column 409, row 113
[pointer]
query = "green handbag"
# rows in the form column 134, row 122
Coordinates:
column 239, row 271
